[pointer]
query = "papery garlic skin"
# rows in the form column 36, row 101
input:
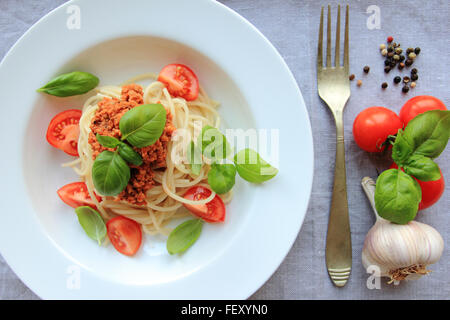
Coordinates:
column 399, row 251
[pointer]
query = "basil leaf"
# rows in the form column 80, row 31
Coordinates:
column 397, row 196
column 128, row 154
column 213, row 143
column 402, row 148
column 110, row 173
column 107, row 141
column 423, row 168
column 252, row 167
column 184, row 236
column 143, row 125
column 92, row 223
column 428, row 133
column 70, row 84
column 221, row 177
column 194, row 156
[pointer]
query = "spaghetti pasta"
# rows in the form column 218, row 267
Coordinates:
column 164, row 200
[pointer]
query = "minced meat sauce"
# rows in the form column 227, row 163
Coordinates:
column 106, row 122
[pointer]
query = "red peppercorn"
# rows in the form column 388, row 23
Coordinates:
column 390, row 39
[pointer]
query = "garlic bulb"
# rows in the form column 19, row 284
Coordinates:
column 400, row 251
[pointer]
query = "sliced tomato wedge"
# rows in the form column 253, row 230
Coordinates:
column 180, row 81
column 63, row 131
column 125, row 235
column 213, row 211
column 76, row 195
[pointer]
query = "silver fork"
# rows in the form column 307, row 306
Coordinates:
column 334, row 89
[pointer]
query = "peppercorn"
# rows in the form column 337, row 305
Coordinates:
column 366, row 69
column 405, row 88
column 390, row 54
column 408, row 62
column 409, row 50
column 397, row 79
column 382, row 46
column 402, row 57
column 412, row 55
column 387, row 62
column 359, row 83
column 390, row 49
column 387, row 69
column 401, row 65
column 394, row 44
column 396, row 57
column 406, row 79
column 351, row 77
column 413, row 70
column 384, row 85
column 417, row 50
column 398, row 50
column 384, row 52
column 413, row 84
column 393, row 63
column 414, row 76
column 390, row 39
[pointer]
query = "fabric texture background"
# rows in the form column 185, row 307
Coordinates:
column 292, row 27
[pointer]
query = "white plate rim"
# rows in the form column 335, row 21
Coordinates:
column 167, row 291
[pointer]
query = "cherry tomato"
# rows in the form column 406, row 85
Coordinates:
column 213, row 211
column 372, row 127
column 125, row 235
column 63, row 131
column 418, row 105
column 76, row 195
column 431, row 190
column 180, row 81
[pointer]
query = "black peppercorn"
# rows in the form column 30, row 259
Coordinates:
column 384, row 85
column 413, row 70
column 390, row 54
column 351, row 77
column 417, row 50
column 366, row 69
column 408, row 62
column 397, row 79
column 393, row 63
column 409, row 50
column 390, row 49
column 387, row 69
column 405, row 88
column 387, row 62
column 414, row 77
column 402, row 57
column 406, row 79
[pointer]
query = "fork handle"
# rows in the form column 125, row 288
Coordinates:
column 339, row 247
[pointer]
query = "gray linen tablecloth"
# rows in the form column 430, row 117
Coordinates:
column 292, row 27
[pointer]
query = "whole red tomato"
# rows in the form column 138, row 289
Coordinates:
column 431, row 190
column 418, row 105
column 372, row 127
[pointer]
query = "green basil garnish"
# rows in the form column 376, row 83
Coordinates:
column 397, row 196
column 252, row 167
column 221, row 177
column 213, row 143
column 110, row 173
column 70, row 84
column 128, row 154
column 184, row 236
column 422, row 168
column 194, row 156
column 107, row 141
column 92, row 223
column 143, row 125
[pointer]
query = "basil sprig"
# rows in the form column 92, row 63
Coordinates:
column 70, row 84
column 143, row 125
column 92, row 223
column 184, row 236
column 110, row 173
column 221, row 177
column 107, row 141
column 125, row 151
column 252, row 167
column 397, row 194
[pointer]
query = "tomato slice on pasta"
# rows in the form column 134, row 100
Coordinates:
column 180, row 81
column 213, row 211
column 76, row 195
column 63, row 131
column 125, row 235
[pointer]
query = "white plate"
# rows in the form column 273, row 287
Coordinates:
column 40, row 237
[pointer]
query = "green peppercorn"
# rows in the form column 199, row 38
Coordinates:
column 397, row 79
column 398, row 50
column 396, row 57
column 412, row 55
